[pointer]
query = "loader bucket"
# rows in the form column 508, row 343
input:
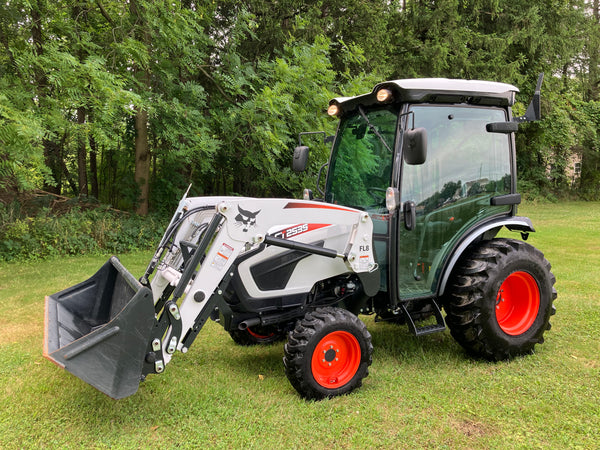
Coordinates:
column 99, row 329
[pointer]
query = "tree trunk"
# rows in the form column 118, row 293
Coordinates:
column 52, row 156
column 94, row 168
column 53, row 160
column 142, row 148
column 110, row 170
column 93, row 160
column 82, row 154
column 142, row 159
column 70, row 180
column 594, row 44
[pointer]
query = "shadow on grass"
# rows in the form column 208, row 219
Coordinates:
column 216, row 367
column 263, row 359
column 396, row 341
column 392, row 344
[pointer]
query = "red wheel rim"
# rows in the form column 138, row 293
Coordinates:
column 517, row 303
column 336, row 359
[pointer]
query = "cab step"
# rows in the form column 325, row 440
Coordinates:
column 411, row 318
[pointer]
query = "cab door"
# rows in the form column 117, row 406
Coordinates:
column 450, row 193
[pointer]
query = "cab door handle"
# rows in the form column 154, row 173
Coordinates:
column 410, row 215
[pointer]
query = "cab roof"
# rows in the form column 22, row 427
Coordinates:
column 436, row 90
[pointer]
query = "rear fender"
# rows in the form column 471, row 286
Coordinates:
column 522, row 224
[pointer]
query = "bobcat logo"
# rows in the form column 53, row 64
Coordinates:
column 246, row 219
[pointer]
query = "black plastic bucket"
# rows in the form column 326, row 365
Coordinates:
column 99, row 329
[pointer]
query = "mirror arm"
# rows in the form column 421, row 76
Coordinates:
column 319, row 179
column 326, row 139
column 533, row 112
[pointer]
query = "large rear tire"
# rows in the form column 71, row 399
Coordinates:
column 500, row 300
column 328, row 353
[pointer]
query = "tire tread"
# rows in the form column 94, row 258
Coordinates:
column 467, row 302
column 297, row 350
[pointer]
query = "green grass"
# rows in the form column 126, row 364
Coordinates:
column 421, row 392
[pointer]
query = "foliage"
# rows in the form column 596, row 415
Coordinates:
column 76, row 232
column 110, row 98
column 588, row 127
column 21, row 158
column 269, row 116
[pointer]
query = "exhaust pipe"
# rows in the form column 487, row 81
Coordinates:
column 249, row 323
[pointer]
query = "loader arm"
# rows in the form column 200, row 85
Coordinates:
column 240, row 225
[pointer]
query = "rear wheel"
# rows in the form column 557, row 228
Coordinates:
column 328, row 353
column 501, row 299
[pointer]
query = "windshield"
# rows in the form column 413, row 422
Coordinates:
column 361, row 163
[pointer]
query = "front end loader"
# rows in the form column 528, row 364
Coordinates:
column 420, row 180
column 113, row 330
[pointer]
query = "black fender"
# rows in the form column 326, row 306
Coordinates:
column 515, row 223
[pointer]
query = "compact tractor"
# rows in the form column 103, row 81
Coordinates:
column 420, row 180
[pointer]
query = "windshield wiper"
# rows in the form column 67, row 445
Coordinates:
column 373, row 129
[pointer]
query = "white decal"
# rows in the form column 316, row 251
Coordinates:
column 222, row 256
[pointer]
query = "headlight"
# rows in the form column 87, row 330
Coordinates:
column 384, row 95
column 333, row 109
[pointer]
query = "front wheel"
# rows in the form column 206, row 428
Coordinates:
column 500, row 300
column 328, row 353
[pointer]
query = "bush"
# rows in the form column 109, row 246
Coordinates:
column 77, row 231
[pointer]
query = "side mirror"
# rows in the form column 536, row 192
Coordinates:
column 300, row 158
column 414, row 146
column 301, row 152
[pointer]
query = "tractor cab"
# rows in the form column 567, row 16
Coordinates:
column 433, row 163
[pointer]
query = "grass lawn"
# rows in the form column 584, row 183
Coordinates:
column 421, row 392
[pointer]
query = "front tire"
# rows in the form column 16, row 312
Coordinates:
column 328, row 353
column 501, row 299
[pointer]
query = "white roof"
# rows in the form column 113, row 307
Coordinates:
column 439, row 90
column 451, row 85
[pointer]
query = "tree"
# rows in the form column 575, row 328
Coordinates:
column 133, row 101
